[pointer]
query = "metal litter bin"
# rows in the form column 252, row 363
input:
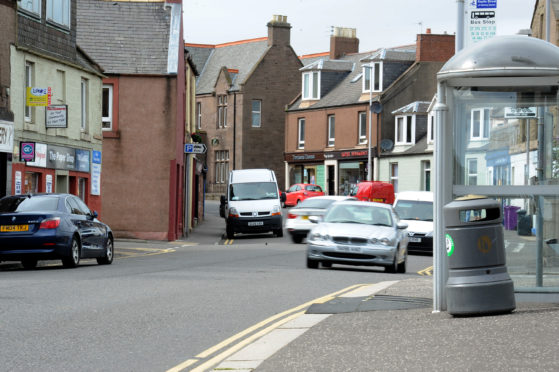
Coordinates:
column 478, row 281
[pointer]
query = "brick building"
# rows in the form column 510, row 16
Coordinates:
column 242, row 92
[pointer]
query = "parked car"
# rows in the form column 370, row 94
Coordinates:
column 359, row 233
column 416, row 209
column 374, row 191
column 300, row 191
column 298, row 224
column 50, row 227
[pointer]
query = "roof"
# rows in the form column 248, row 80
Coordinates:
column 329, row 65
column 417, row 107
column 130, row 37
column 241, row 55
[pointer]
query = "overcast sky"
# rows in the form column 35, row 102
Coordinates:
column 379, row 23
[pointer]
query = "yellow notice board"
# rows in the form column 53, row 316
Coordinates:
column 38, row 96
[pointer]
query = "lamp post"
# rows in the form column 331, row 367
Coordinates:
column 369, row 161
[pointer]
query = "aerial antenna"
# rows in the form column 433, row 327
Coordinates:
column 420, row 24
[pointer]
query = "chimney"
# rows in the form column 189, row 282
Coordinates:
column 343, row 41
column 434, row 48
column 279, row 31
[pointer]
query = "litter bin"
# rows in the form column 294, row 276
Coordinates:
column 511, row 217
column 478, row 281
column 524, row 223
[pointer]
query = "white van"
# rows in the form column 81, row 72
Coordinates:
column 416, row 209
column 253, row 203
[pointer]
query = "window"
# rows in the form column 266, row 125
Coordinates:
column 199, row 115
column 60, row 87
column 331, row 130
column 426, row 167
column 33, row 6
column 107, row 108
column 472, row 172
column 222, row 111
column 405, row 130
column 29, row 72
column 59, row 11
column 311, row 85
column 301, row 134
column 256, row 113
column 221, row 166
column 82, row 188
column 362, row 128
column 431, row 128
column 480, row 124
column 394, row 175
column 84, row 108
column 372, row 74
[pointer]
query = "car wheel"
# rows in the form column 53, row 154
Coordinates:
column 296, row 239
column 278, row 233
column 312, row 264
column 326, row 264
column 29, row 264
column 109, row 253
column 393, row 268
column 229, row 231
column 74, row 259
column 402, row 266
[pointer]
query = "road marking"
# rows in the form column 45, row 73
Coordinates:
column 428, row 271
column 228, row 242
column 150, row 252
column 297, row 310
column 368, row 290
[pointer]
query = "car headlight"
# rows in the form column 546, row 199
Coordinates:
column 317, row 236
column 382, row 241
column 276, row 211
column 233, row 212
column 430, row 234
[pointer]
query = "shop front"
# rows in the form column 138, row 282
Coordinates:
column 6, row 149
column 305, row 168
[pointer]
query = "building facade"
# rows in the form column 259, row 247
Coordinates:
column 55, row 97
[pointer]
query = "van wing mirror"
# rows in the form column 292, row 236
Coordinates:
column 223, row 201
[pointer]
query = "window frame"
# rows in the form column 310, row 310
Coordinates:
column 221, row 166
column 311, row 85
column 404, row 134
column 301, row 133
column 426, row 170
column 372, row 77
column 484, row 124
column 431, row 128
column 65, row 13
column 222, row 111
column 362, row 129
column 84, row 92
column 258, row 113
column 35, row 6
column 107, row 119
column 199, row 115
column 394, row 176
column 331, row 131
column 469, row 175
column 28, row 111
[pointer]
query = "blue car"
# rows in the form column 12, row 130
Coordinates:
column 50, row 227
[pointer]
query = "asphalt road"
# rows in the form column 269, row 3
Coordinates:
column 160, row 303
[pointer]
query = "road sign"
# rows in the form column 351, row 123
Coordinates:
column 195, row 148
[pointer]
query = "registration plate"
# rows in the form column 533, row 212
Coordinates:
column 304, row 217
column 415, row 240
column 343, row 248
column 14, row 228
column 256, row 223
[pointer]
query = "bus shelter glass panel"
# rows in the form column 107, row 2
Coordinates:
column 508, row 139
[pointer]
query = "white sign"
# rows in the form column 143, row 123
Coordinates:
column 18, row 183
column 520, row 112
column 56, row 116
column 6, row 136
column 95, row 179
column 40, row 156
column 480, row 21
column 49, row 183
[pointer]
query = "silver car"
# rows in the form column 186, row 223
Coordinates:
column 359, row 233
column 298, row 224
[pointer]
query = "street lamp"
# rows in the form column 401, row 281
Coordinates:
column 374, row 107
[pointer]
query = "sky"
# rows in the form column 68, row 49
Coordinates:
column 379, row 23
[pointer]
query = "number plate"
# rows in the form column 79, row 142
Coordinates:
column 343, row 248
column 415, row 240
column 304, row 217
column 14, row 228
column 256, row 223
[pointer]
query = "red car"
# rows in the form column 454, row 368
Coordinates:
column 300, row 191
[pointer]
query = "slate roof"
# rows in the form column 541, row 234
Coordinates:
column 242, row 56
column 125, row 37
column 421, row 107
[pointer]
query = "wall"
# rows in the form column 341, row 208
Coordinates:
column 410, row 172
column 7, row 37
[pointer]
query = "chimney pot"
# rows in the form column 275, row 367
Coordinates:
column 428, row 31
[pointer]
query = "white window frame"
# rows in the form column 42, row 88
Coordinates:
column 362, row 129
column 372, row 77
column 331, row 130
column 426, row 168
column 471, row 175
column 32, row 6
column 107, row 119
column 29, row 81
column 483, row 123
column 301, row 133
column 257, row 113
column 311, row 85
column 84, row 104
column 58, row 11
column 402, row 137
column 394, row 175
column 431, row 128
column 199, row 115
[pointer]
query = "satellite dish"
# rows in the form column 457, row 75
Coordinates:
column 386, row 144
column 376, row 107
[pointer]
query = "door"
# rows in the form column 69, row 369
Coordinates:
column 331, row 180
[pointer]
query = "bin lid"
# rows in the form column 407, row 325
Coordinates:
column 472, row 211
column 511, row 55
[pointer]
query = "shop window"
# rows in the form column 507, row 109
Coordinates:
column 301, row 134
column 331, row 130
column 362, row 128
column 31, row 184
column 350, row 173
column 82, row 188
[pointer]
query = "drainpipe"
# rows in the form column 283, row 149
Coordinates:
column 547, row 19
column 234, row 129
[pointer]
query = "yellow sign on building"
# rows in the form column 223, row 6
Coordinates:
column 38, row 96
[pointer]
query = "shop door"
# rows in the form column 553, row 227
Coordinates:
column 331, row 180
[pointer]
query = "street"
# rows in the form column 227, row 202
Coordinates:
column 161, row 304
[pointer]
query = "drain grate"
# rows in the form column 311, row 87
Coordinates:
column 374, row 303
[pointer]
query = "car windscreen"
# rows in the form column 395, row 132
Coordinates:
column 27, row 204
column 253, row 191
column 315, row 203
column 361, row 214
column 414, row 210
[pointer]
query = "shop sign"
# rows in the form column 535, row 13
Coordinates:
column 354, row 154
column 96, row 158
column 304, row 157
column 38, row 96
column 6, row 136
column 59, row 157
column 95, row 179
column 27, row 151
column 56, row 116
column 82, row 160
column 40, row 156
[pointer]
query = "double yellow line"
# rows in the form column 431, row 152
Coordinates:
column 428, row 271
column 228, row 242
column 270, row 324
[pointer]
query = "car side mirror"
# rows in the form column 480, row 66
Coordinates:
column 402, row 225
column 283, row 197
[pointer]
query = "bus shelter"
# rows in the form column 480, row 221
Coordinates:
column 497, row 135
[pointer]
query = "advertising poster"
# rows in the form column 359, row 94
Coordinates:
column 95, row 179
column 27, row 151
column 38, row 96
column 18, row 183
column 49, row 183
column 40, row 156
column 6, row 136
column 56, row 116
column 480, row 21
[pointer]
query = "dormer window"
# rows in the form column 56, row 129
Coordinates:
column 311, row 85
column 59, row 11
column 33, row 6
column 372, row 77
column 405, row 130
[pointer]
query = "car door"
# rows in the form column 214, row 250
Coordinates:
column 96, row 230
